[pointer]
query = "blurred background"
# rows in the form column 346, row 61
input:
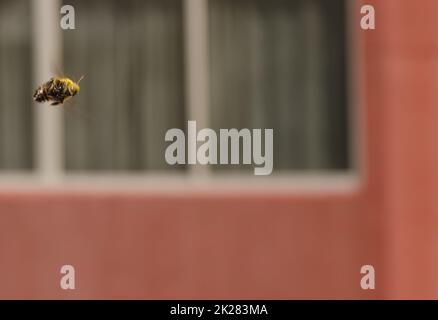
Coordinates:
column 354, row 119
column 261, row 57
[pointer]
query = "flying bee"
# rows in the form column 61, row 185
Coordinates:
column 57, row 90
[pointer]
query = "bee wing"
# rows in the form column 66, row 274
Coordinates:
column 58, row 71
column 77, row 111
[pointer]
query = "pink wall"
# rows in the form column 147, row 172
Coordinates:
column 410, row 111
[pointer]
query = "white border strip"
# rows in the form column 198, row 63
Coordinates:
column 162, row 184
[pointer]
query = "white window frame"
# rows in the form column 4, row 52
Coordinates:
column 50, row 174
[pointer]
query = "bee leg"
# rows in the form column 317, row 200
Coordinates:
column 55, row 103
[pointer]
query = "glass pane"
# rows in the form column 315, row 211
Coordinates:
column 16, row 88
column 282, row 64
column 131, row 53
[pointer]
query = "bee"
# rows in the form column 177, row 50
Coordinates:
column 57, row 90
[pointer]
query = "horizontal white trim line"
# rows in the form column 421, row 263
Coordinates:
column 288, row 183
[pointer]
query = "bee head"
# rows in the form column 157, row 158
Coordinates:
column 74, row 89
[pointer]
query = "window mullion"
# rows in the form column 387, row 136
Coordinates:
column 197, row 68
column 47, row 55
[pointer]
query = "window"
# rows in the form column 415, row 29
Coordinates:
column 131, row 53
column 152, row 65
column 282, row 64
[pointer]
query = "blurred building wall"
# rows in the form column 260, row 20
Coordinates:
column 409, row 109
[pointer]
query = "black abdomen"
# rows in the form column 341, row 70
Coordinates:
column 41, row 95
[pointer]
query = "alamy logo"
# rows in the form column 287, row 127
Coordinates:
column 368, row 281
column 68, row 279
column 68, row 18
column 230, row 141
column 368, row 21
